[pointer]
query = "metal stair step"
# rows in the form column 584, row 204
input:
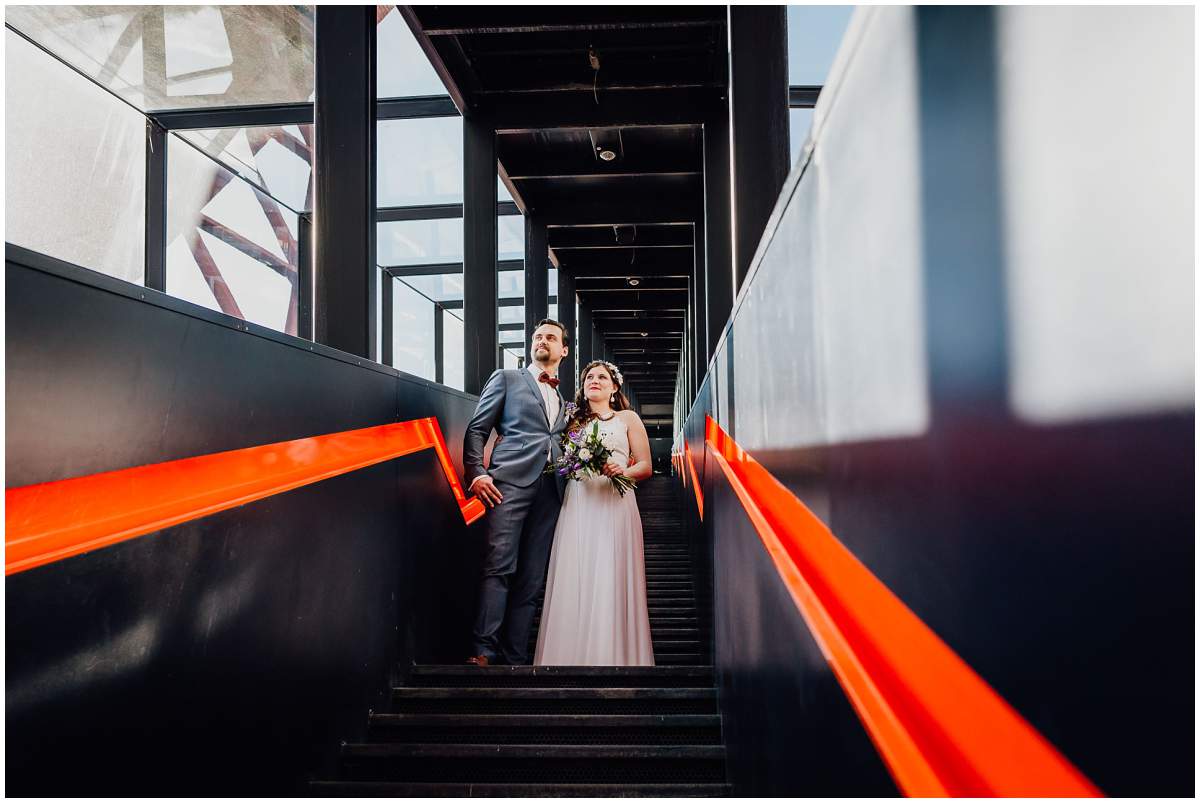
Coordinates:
column 402, row 789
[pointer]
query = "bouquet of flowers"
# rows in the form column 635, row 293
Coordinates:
column 584, row 454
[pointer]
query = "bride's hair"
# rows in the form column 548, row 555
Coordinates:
column 583, row 411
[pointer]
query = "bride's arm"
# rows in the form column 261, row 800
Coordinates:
column 639, row 448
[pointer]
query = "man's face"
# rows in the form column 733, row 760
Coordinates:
column 547, row 346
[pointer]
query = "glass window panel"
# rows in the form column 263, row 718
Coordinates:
column 552, row 311
column 401, row 67
column 510, row 237
column 420, row 161
column 173, row 57
column 420, row 242
column 230, row 247
column 75, row 166
column 511, row 315
column 511, row 283
column 452, row 349
column 502, row 193
column 814, row 34
column 277, row 159
column 511, row 359
column 439, row 287
column 552, row 282
column 412, row 331
column 799, row 123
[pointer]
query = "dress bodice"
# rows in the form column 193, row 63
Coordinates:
column 615, row 435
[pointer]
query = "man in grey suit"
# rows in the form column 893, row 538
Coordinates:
column 526, row 409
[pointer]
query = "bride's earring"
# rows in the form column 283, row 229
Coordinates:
column 612, row 399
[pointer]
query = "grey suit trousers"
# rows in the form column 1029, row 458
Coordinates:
column 520, row 531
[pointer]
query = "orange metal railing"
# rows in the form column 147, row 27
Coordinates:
column 55, row 520
column 940, row 728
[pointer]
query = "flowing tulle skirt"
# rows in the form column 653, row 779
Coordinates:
column 595, row 611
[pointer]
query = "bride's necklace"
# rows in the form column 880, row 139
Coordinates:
column 611, row 416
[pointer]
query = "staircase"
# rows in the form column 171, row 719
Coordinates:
column 525, row 731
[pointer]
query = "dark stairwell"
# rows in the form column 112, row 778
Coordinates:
column 518, row 731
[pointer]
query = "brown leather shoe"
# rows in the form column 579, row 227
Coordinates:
column 478, row 660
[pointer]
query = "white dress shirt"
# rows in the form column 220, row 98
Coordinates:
column 549, row 394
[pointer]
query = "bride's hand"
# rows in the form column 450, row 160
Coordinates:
column 612, row 469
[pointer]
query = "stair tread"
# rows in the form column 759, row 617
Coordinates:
column 547, row 720
column 553, row 693
column 409, row 789
column 542, row 751
column 573, row 671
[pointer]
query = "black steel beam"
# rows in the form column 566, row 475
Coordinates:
column 759, row 113
column 417, row 106
column 508, row 19
column 641, row 237
column 277, row 114
column 618, row 284
column 304, row 270
column 803, row 97
column 439, row 344
column 344, row 168
column 386, row 291
column 436, row 60
column 669, row 209
column 234, row 116
column 156, row 207
column 677, row 261
column 583, row 349
column 479, row 252
column 537, row 276
column 389, row 214
column 566, row 316
column 617, row 107
column 718, row 259
column 698, row 318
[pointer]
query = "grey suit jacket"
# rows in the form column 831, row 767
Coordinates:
column 512, row 405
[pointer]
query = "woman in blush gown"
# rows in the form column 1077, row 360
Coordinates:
column 595, row 611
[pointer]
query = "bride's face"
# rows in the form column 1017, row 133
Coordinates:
column 597, row 384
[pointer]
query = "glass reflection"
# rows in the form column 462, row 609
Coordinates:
column 412, row 331
column 230, row 247
column 452, row 349
column 75, row 162
column 174, row 57
column 419, row 242
column 420, row 161
column 277, row 159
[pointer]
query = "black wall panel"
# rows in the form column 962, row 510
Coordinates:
column 232, row 654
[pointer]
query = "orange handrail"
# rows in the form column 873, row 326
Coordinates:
column 55, row 520
column 940, row 728
column 687, row 451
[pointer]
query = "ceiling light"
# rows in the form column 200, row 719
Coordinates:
column 633, row 281
column 644, row 334
column 607, row 155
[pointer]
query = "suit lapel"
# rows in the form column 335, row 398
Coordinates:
column 537, row 394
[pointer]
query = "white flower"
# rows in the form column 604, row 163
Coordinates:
column 570, row 447
column 585, row 454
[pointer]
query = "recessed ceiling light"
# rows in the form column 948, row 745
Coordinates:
column 633, row 281
column 644, row 334
column 607, row 155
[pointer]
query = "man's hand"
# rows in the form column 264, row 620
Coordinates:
column 485, row 488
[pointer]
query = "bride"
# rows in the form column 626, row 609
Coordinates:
column 595, row 611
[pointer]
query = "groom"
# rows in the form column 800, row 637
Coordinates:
column 526, row 409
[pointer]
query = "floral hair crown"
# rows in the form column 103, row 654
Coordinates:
column 615, row 371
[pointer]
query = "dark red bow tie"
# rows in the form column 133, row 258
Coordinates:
column 552, row 381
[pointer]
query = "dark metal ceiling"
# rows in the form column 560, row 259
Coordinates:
column 562, row 85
